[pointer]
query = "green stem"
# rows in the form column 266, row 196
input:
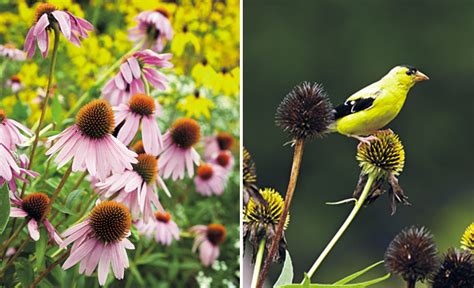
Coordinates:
column 100, row 81
column 342, row 229
column 46, row 98
column 49, row 269
column 258, row 263
column 13, row 258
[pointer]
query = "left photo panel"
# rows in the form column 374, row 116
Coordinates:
column 120, row 143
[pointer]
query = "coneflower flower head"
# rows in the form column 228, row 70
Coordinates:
column 10, row 51
column 382, row 159
column 412, row 254
column 456, row 271
column 305, row 112
column 36, row 208
column 208, row 238
column 153, row 26
column 249, row 178
column 162, row 228
column 383, row 156
column 210, row 179
column 467, row 240
column 178, row 153
column 12, row 133
column 90, row 143
column 261, row 219
column 101, row 240
column 136, row 188
column 140, row 109
column 49, row 17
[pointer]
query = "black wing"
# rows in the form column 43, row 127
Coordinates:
column 353, row 106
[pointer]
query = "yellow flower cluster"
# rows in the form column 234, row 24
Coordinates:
column 205, row 48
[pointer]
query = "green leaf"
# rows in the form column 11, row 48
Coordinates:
column 355, row 285
column 349, row 278
column 20, row 111
column 149, row 259
column 63, row 208
column 56, row 110
column 286, row 276
column 40, row 252
column 137, row 276
column 73, row 196
column 4, row 207
column 25, row 271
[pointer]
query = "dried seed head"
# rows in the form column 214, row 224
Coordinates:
column 216, row 233
column 163, row 216
column 185, row 133
column 223, row 158
column 261, row 218
column 383, row 156
column 110, row 221
column 96, row 119
column 456, row 271
column 36, row 205
column 3, row 115
column 146, row 167
column 225, row 140
column 305, row 112
column 262, row 215
column 42, row 9
column 138, row 147
column 412, row 254
column 142, row 104
column 249, row 173
column 467, row 240
column 205, row 171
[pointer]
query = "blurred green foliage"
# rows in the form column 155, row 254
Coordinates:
column 346, row 45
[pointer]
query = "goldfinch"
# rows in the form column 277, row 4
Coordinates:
column 376, row 105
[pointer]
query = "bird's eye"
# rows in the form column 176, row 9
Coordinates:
column 411, row 71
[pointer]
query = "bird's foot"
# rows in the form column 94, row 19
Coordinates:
column 365, row 140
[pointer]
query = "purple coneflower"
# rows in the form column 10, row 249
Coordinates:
column 141, row 108
column 208, row 238
column 91, row 144
column 101, row 240
column 224, row 159
column 36, row 208
column 178, row 154
column 221, row 142
column 14, row 83
column 10, row 134
column 136, row 188
column 153, row 27
column 48, row 16
column 10, row 51
column 162, row 228
column 210, row 179
column 129, row 81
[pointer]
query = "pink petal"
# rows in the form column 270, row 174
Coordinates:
column 17, row 212
column 132, row 61
column 33, row 229
column 104, row 264
column 41, row 25
column 126, row 72
column 64, row 23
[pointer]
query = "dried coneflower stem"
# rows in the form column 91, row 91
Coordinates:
column 342, row 229
column 295, row 169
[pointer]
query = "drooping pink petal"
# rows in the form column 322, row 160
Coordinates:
column 17, row 212
column 64, row 23
column 33, row 229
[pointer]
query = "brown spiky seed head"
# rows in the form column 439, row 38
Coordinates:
column 110, row 221
column 96, row 119
column 185, row 133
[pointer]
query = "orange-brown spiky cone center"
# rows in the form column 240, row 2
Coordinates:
column 36, row 205
column 146, row 167
column 185, row 133
column 164, row 217
column 223, row 159
column 216, row 233
column 42, row 9
column 96, row 119
column 142, row 104
column 110, row 221
column 205, row 171
column 225, row 140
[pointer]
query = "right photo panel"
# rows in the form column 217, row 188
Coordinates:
column 358, row 128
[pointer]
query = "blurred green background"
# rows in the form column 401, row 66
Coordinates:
column 346, row 45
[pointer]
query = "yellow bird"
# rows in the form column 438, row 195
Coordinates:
column 376, row 105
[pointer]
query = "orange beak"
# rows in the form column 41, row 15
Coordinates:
column 420, row 77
